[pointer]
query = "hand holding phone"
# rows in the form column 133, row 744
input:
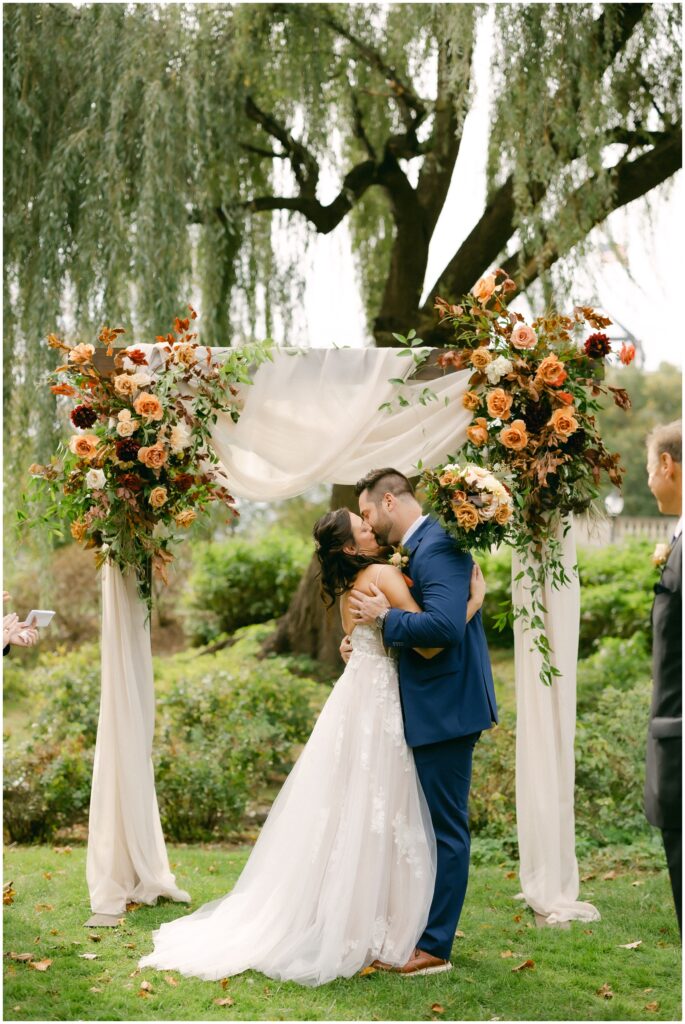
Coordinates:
column 38, row 617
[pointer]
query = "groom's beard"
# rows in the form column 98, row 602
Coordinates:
column 382, row 531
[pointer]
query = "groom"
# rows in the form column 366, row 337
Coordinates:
column 446, row 701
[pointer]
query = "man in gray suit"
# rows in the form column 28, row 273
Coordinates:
column 663, row 787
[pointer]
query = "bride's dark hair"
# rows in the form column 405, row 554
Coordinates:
column 338, row 569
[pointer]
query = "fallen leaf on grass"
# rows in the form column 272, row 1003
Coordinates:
column 134, row 973
column 8, row 894
column 506, row 953
column 36, row 941
column 516, row 917
column 610, row 876
column 652, row 1006
column 586, row 878
column 95, row 989
column 94, row 937
column 460, row 935
column 527, row 964
column 227, row 1001
column 587, row 931
column 40, row 965
column 437, row 1008
column 171, row 981
column 21, row 958
column 637, row 883
column 211, row 869
column 132, row 906
column 605, row 991
column 224, row 982
column 54, row 931
column 145, row 988
column 61, row 849
column 366, row 971
column 631, row 945
column 510, row 874
column 88, row 956
column 129, row 945
column 39, row 907
column 47, row 874
column 647, row 989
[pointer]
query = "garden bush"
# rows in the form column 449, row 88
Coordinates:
column 239, row 581
column 618, row 662
column 226, row 722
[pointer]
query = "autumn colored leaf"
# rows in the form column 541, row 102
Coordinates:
column 610, row 876
column 460, row 935
column 88, row 956
column 40, row 965
column 21, row 958
column 40, row 907
column 94, row 937
column 224, row 983
column 226, row 1001
column 653, row 1007
column 605, row 991
column 631, row 945
column 129, row 945
column 366, row 971
column 8, row 894
column 506, row 953
column 95, row 989
column 527, row 965
column 145, row 986
column 437, row 1008
column 130, row 907
column 171, row 981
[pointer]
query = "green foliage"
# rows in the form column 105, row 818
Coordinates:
column 618, row 662
column 656, row 398
column 225, row 724
column 238, row 582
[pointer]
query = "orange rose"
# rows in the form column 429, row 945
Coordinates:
column 466, row 515
column 503, row 514
column 477, row 433
column 563, row 422
column 185, row 517
column 447, row 478
column 78, row 529
column 471, row 401
column 551, row 371
column 499, row 404
column 514, row 436
column 158, row 496
column 480, row 358
column 484, row 288
column 81, row 354
column 148, row 406
column 185, row 354
column 125, row 385
column 523, row 336
column 565, row 397
column 84, row 445
column 153, row 456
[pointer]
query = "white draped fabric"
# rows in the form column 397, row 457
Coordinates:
column 545, row 732
column 311, row 417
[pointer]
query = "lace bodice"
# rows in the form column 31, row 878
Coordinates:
column 367, row 640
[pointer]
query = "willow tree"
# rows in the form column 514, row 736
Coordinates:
column 150, row 150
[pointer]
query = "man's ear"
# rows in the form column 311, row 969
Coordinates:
column 667, row 465
column 389, row 501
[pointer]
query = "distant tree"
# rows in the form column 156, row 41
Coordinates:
column 656, row 397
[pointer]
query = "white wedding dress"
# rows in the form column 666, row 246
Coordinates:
column 344, row 868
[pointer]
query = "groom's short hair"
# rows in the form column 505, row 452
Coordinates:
column 667, row 438
column 383, row 481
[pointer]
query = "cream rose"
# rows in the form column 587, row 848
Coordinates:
column 125, row 385
column 180, row 437
column 95, row 479
column 126, row 424
column 148, row 406
column 498, row 368
column 484, row 288
column 81, row 354
column 158, row 496
column 185, row 517
column 84, row 445
column 523, row 336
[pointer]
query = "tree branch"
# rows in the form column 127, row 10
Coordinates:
column 304, row 164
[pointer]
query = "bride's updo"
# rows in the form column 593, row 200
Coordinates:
column 338, row 568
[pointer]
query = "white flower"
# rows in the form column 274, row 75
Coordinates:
column 126, row 425
column 142, row 379
column 95, row 479
column 180, row 437
column 661, row 553
column 497, row 369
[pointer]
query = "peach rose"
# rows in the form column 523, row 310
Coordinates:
column 84, row 445
column 447, row 478
column 477, row 433
column 126, row 425
column 523, row 336
column 158, row 496
column 78, row 529
column 514, row 436
column 484, row 288
column 148, row 406
column 185, row 354
column 471, row 401
column 563, row 422
column 551, row 371
column 185, row 517
column 466, row 515
column 125, row 385
column 153, row 456
column 480, row 358
column 81, row 354
column 499, row 404
column 503, row 514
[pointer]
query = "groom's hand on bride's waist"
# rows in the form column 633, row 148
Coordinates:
column 346, row 649
column 365, row 609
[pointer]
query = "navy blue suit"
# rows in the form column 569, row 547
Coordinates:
column 446, row 702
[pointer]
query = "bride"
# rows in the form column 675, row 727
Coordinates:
column 343, row 871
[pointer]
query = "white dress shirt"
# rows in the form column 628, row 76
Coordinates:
column 412, row 529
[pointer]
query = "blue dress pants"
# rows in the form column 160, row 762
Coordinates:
column 444, row 770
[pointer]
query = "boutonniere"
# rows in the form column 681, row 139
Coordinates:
column 400, row 559
column 660, row 555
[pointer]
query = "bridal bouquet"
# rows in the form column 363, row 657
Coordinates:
column 137, row 468
column 470, row 503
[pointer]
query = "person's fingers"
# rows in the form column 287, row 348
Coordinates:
column 5, row 596
column 376, row 590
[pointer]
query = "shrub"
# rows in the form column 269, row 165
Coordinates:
column 618, row 662
column 238, row 582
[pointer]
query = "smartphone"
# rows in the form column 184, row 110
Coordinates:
column 39, row 617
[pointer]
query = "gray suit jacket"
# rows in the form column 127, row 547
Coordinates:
column 663, row 787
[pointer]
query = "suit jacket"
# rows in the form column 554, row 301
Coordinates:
column 451, row 694
column 663, row 788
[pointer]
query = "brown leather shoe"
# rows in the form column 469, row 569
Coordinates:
column 424, row 963
column 380, row 965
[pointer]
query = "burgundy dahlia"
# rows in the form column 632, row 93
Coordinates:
column 83, row 416
column 127, row 450
column 597, row 346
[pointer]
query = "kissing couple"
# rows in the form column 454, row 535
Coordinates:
column 364, row 858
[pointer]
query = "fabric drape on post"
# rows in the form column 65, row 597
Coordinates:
column 127, row 860
column 545, row 733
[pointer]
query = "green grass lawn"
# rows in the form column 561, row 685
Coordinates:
column 51, row 904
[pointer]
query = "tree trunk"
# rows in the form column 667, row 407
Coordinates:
column 308, row 627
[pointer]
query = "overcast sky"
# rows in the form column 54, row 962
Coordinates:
column 640, row 291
